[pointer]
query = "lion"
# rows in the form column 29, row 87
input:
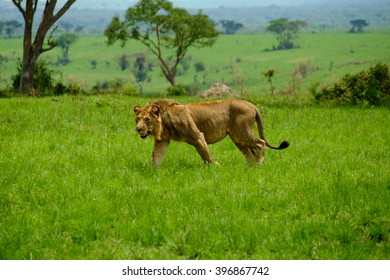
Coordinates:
column 200, row 124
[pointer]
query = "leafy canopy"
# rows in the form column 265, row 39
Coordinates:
column 286, row 31
column 166, row 31
column 64, row 42
column 358, row 24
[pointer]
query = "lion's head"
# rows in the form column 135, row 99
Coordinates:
column 148, row 121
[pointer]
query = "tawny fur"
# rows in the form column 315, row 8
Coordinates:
column 200, row 124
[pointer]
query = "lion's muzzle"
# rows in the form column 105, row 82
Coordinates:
column 142, row 132
column 143, row 136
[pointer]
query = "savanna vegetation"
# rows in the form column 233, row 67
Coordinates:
column 237, row 60
column 77, row 183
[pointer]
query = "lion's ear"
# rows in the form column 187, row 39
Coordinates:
column 137, row 109
column 155, row 110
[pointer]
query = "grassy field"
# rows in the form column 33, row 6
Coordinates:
column 322, row 57
column 76, row 183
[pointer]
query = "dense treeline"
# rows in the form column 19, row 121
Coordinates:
column 253, row 19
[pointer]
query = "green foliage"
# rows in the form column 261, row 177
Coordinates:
column 178, row 90
column 72, row 88
column 64, row 42
column 358, row 25
column 123, row 61
column 76, row 183
column 114, row 86
column 10, row 27
column 166, row 31
column 336, row 63
column 43, row 78
column 286, row 31
column 45, row 81
column 200, row 67
column 268, row 74
column 371, row 86
column 141, row 69
column 230, row 26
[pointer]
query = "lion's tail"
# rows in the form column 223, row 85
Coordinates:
column 260, row 128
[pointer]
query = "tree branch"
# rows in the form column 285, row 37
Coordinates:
column 17, row 4
column 62, row 11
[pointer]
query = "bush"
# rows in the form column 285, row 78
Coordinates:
column 178, row 90
column 200, row 67
column 60, row 89
column 114, row 86
column 43, row 78
column 371, row 86
column 72, row 88
column 6, row 92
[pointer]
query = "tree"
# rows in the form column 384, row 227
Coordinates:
column 64, row 42
column 10, row 27
column 286, row 31
column 358, row 24
column 2, row 23
column 166, row 31
column 33, row 49
column 123, row 61
column 230, row 26
column 140, row 70
column 268, row 74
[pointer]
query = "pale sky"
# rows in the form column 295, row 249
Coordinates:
column 121, row 4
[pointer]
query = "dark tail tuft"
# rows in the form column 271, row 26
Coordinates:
column 284, row 145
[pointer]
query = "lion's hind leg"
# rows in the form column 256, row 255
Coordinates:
column 252, row 148
column 259, row 151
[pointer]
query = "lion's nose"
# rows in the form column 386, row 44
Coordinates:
column 138, row 129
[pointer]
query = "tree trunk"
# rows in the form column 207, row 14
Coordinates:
column 27, row 77
column 32, row 50
column 27, row 74
column 168, row 74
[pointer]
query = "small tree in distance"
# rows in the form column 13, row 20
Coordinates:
column 230, row 26
column 286, row 31
column 358, row 25
column 10, row 27
column 140, row 70
column 268, row 74
column 64, row 42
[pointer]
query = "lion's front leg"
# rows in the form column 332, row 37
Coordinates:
column 160, row 148
column 201, row 146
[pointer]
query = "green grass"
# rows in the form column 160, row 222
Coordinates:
column 326, row 56
column 76, row 183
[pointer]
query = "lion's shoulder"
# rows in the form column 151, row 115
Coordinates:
column 164, row 104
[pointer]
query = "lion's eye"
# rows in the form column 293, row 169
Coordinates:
column 146, row 120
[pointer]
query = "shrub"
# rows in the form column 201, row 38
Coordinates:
column 6, row 92
column 59, row 89
column 178, row 90
column 114, row 86
column 72, row 88
column 200, row 67
column 43, row 78
column 371, row 86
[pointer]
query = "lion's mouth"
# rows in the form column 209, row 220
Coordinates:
column 145, row 135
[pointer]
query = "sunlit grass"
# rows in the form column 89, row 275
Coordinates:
column 77, row 183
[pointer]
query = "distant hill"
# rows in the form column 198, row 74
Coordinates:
column 202, row 4
column 93, row 16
